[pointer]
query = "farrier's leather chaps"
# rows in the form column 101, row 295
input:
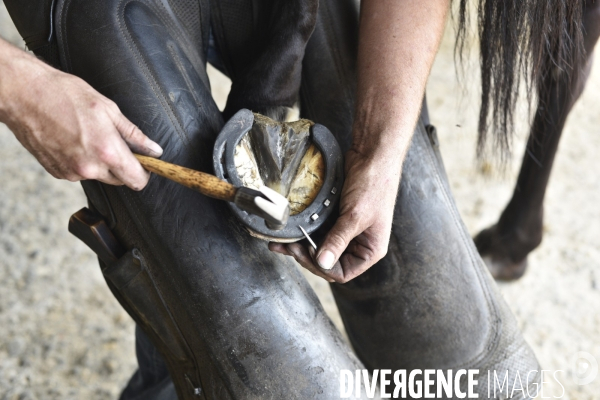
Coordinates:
column 231, row 319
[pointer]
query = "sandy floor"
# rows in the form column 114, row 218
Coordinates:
column 63, row 336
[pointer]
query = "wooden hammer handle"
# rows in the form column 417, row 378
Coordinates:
column 208, row 185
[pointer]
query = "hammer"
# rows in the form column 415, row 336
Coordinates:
column 265, row 202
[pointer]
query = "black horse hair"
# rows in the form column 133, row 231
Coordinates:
column 535, row 40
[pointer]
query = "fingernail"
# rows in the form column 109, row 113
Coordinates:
column 326, row 259
column 154, row 148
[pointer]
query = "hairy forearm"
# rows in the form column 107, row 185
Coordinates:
column 397, row 45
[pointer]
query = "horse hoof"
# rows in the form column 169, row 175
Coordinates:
column 496, row 255
column 504, row 269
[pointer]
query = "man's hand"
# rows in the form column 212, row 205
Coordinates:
column 72, row 130
column 361, row 234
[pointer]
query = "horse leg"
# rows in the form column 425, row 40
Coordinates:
column 505, row 246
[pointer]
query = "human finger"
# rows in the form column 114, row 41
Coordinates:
column 125, row 167
column 279, row 248
column 110, row 179
column 303, row 257
column 134, row 137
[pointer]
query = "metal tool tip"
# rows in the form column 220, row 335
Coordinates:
column 312, row 243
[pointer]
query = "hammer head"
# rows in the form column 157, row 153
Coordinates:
column 265, row 203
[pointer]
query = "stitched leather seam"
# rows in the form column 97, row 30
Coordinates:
column 181, row 33
column 133, row 48
column 184, row 73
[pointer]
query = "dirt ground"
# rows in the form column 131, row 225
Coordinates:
column 63, row 335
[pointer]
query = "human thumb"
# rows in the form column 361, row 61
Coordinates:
column 337, row 240
column 135, row 138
